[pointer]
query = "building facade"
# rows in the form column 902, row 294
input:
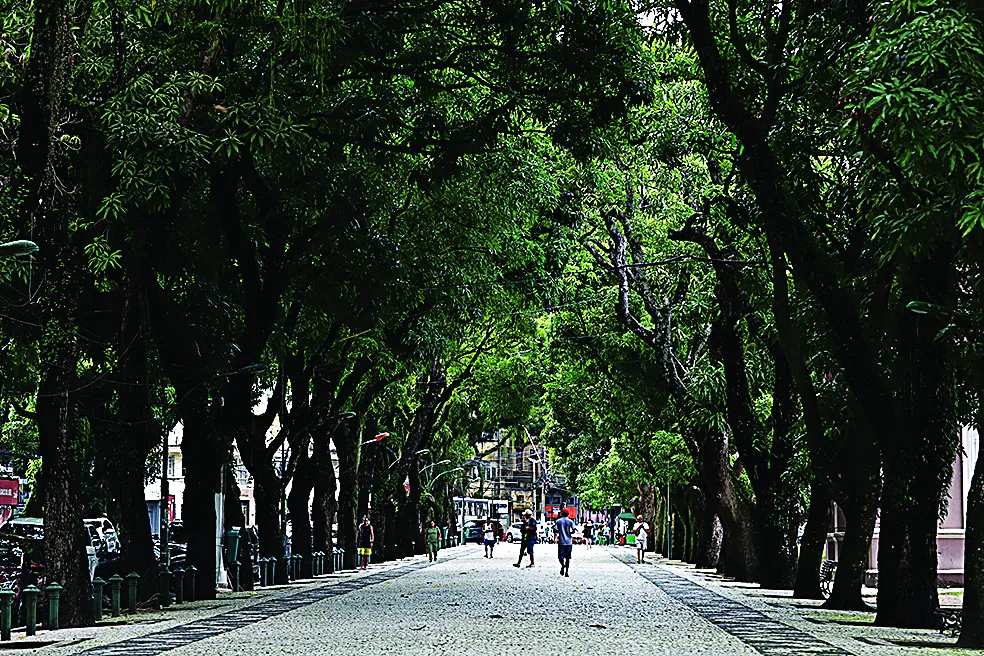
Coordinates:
column 952, row 531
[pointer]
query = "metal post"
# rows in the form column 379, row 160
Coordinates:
column 179, row 585
column 132, row 579
column 190, row 571
column 115, row 583
column 164, row 585
column 54, row 597
column 263, row 571
column 97, row 599
column 245, row 573
column 165, row 523
column 668, row 538
column 6, row 599
column 272, row 564
column 30, row 595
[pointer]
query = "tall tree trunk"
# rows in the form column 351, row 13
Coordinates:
column 410, row 527
column 812, row 545
column 851, row 568
column 710, row 535
column 778, row 527
column 298, row 503
column 390, row 549
column 203, row 454
column 46, row 83
column 919, row 466
column 129, row 445
column 234, row 518
column 972, row 625
column 739, row 552
column 349, row 448
column 325, row 505
column 267, row 493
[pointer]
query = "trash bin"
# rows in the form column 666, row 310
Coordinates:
column 232, row 545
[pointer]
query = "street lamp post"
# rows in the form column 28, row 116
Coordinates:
column 19, row 247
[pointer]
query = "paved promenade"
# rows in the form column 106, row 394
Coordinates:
column 466, row 604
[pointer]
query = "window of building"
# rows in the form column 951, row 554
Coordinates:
column 170, row 466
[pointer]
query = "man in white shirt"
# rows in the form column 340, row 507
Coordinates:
column 641, row 530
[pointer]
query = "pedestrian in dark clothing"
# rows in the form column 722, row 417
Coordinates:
column 366, row 538
column 529, row 538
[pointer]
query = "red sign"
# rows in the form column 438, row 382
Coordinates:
column 553, row 512
column 8, row 491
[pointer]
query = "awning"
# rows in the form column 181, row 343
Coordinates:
column 626, row 515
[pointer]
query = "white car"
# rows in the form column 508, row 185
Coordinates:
column 515, row 531
column 32, row 528
column 107, row 534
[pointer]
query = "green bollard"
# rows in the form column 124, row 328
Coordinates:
column 97, row 599
column 54, row 598
column 132, row 579
column 261, row 562
column 190, row 571
column 6, row 599
column 30, row 596
column 179, row 585
column 164, row 586
column 115, row 584
column 297, row 566
column 320, row 568
column 272, row 564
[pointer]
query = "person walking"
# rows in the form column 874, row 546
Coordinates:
column 366, row 538
column 528, row 539
column 641, row 530
column 588, row 533
column 432, row 537
column 565, row 543
column 489, row 537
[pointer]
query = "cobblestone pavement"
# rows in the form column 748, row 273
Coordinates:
column 471, row 605
column 466, row 604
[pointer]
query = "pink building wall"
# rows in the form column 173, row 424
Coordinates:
column 952, row 530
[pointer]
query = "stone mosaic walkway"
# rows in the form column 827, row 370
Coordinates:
column 754, row 628
column 466, row 604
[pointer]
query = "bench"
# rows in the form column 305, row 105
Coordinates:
column 950, row 621
column 827, row 570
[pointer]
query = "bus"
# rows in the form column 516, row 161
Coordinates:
column 471, row 508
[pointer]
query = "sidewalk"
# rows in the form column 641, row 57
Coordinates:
column 845, row 632
column 155, row 631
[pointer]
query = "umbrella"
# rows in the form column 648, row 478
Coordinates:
column 626, row 515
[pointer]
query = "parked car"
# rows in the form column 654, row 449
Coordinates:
column 515, row 531
column 475, row 530
column 22, row 556
column 177, row 545
column 108, row 537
